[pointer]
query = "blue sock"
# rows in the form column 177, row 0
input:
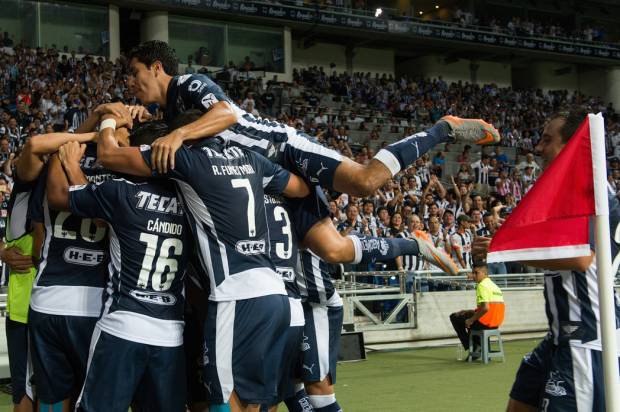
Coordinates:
column 370, row 249
column 299, row 402
column 400, row 155
column 55, row 407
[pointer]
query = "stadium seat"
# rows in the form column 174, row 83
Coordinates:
column 485, row 353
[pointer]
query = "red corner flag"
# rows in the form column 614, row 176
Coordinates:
column 552, row 220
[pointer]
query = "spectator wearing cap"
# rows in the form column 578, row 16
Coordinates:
column 490, row 308
column 461, row 241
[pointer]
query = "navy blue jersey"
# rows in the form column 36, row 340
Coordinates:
column 284, row 249
column 316, row 282
column 571, row 297
column 191, row 91
column 149, row 245
column 74, row 257
column 223, row 190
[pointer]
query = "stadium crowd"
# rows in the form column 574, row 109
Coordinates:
column 43, row 91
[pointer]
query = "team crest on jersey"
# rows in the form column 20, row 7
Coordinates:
column 251, row 247
column 209, row 100
column 554, row 385
column 159, row 204
column 155, row 298
column 84, row 257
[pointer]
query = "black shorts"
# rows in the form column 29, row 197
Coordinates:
column 121, row 372
column 59, row 351
column 19, row 362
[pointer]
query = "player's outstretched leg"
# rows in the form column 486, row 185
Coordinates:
column 322, row 396
column 327, row 243
column 363, row 180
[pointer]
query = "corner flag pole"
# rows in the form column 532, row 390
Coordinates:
column 603, row 264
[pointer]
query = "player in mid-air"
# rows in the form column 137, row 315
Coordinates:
column 136, row 353
column 564, row 373
column 249, row 313
column 153, row 65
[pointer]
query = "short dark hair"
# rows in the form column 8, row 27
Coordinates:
column 572, row 120
column 146, row 133
column 185, row 118
column 151, row 51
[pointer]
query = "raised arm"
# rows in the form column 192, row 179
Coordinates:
column 120, row 159
column 65, row 171
column 31, row 161
column 219, row 118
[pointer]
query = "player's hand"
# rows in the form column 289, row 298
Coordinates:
column 121, row 121
column 468, row 323
column 480, row 247
column 18, row 262
column 163, row 152
column 117, row 109
column 71, row 153
column 139, row 113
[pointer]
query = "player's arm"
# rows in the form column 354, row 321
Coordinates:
column 296, row 187
column 64, row 171
column 31, row 160
column 219, row 118
column 120, row 159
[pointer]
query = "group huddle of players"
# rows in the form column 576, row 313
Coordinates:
column 183, row 262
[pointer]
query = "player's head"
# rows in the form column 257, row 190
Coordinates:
column 146, row 133
column 557, row 132
column 151, row 64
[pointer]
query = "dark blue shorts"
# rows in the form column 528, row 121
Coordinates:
column 290, row 371
column 321, row 342
column 244, row 348
column 305, row 156
column 19, row 363
column 308, row 211
column 59, row 351
column 560, row 378
column 121, row 372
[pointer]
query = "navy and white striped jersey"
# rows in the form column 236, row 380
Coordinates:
column 571, row 298
column 461, row 244
column 197, row 91
column 316, row 284
column 223, row 190
column 411, row 262
column 149, row 247
column 284, row 246
column 285, row 252
column 74, row 257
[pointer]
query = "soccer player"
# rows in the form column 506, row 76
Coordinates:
column 564, row 372
column 153, row 65
column 66, row 296
column 323, row 313
column 284, row 254
column 249, row 312
column 23, row 243
column 137, row 347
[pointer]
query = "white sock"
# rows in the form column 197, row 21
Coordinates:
column 321, row 401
